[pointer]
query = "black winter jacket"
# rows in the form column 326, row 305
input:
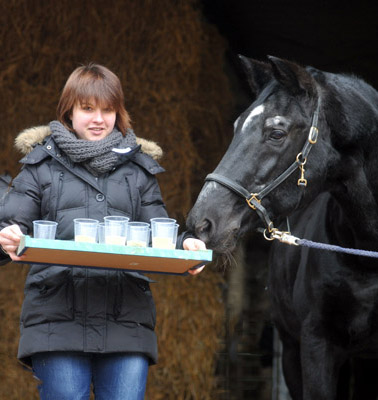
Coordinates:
column 83, row 309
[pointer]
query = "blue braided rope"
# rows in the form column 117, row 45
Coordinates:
column 322, row 246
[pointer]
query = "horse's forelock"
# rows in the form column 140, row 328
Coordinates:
column 273, row 97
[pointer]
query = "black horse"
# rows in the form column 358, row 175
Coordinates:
column 306, row 149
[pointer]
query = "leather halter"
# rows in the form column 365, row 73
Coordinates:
column 254, row 199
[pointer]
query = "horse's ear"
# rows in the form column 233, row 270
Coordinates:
column 317, row 74
column 294, row 77
column 258, row 73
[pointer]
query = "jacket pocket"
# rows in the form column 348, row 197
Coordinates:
column 49, row 297
column 134, row 302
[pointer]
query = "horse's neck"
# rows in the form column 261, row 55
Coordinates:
column 350, row 106
column 355, row 132
column 360, row 206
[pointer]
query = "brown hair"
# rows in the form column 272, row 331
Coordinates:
column 93, row 81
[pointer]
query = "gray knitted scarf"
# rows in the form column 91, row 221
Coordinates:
column 96, row 156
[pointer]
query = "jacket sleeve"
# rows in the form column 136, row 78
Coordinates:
column 152, row 204
column 4, row 258
column 21, row 204
column 181, row 237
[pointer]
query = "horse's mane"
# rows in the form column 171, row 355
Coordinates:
column 350, row 105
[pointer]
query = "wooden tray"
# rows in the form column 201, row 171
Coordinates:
column 96, row 255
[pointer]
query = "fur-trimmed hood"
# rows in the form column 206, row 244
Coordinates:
column 28, row 138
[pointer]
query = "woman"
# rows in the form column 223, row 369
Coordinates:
column 81, row 326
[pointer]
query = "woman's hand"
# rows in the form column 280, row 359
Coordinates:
column 194, row 245
column 10, row 237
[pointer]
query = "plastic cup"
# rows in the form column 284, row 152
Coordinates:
column 85, row 230
column 175, row 232
column 115, row 229
column 43, row 229
column 138, row 234
column 101, row 232
column 164, row 233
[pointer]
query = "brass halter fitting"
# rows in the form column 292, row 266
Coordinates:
column 283, row 237
column 301, row 181
column 253, row 197
column 313, row 135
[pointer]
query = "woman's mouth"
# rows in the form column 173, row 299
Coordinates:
column 96, row 131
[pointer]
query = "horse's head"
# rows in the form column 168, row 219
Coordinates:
column 272, row 139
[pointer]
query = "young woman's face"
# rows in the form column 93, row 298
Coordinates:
column 92, row 122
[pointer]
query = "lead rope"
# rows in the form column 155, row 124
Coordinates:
column 288, row 238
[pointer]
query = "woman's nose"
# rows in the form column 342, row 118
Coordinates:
column 98, row 116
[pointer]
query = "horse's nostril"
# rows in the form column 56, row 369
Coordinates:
column 203, row 228
column 235, row 230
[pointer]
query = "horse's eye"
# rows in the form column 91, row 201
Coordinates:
column 277, row 134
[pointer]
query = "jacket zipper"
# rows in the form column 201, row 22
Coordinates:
column 53, row 213
column 60, row 186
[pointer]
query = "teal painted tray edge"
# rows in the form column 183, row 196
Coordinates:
column 71, row 245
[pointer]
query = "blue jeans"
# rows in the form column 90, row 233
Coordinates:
column 68, row 375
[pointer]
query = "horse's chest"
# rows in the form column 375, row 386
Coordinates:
column 344, row 307
column 337, row 303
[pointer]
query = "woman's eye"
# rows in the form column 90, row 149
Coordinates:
column 277, row 134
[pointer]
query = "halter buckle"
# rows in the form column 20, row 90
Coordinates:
column 253, row 197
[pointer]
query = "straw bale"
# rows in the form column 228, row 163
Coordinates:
column 170, row 61
column 187, row 320
column 16, row 381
